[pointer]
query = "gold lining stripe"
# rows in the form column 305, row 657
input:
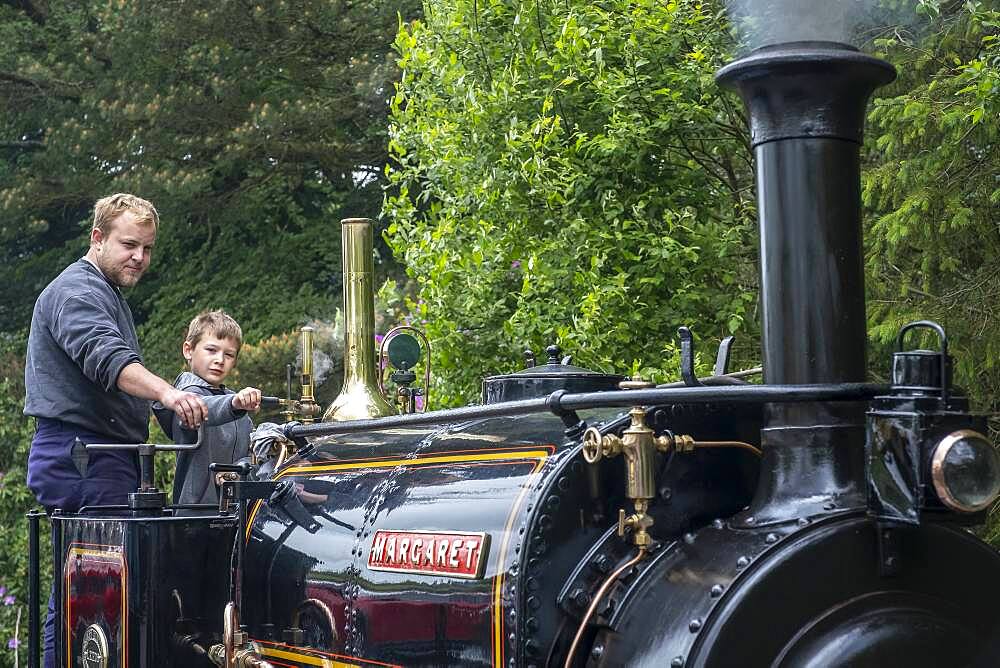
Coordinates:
column 305, row 658
column 321, row 661
column 498, row 616
column 438, row 459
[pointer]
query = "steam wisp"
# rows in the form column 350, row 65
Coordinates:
column 767, row 22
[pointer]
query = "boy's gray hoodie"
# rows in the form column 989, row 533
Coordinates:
column 226, row 439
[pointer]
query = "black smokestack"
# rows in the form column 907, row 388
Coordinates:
column 806, row 104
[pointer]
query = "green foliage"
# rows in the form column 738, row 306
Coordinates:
column 15, row 500
column 253, row 126
column 934, row 244
column 569, row 172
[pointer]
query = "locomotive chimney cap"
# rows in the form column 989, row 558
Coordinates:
column 806, row 89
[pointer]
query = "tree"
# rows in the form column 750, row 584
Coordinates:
column 932, row 191
column 254, row 126
column 570, row 172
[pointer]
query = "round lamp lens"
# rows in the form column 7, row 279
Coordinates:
column 966, row 471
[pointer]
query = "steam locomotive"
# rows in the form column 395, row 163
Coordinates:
column 585, row 519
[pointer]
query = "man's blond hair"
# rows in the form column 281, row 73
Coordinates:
column 218, row 323
column 107, row 209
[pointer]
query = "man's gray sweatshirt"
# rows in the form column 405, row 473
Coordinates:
column 82, row 336
column 226, row 439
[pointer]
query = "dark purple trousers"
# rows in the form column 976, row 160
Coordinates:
column 57, row 482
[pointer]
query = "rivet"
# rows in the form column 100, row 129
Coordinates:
column 694, row 626
column 829, row 506
column 534, row 603
column 531, row 623
column 580, row 597
column 602, row 563
column 539, row 548
column 545, row 522
column 716, row 591
column 512, row 663
column 751, row 520
column 677, row 662
column 771, row 538
column 512, row 638
column 576, row 467
column 512, row 614
column 532, row 563
column 597, row 650
column 689, row 538
column 666, row 493
column 520, row 530
column 802, row 521
column 742, row 562
column 717, row 524
column 532, row 584
column 531, row 647
column 563, row 483
column 552, row 502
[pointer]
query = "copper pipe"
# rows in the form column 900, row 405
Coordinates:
column 728, row 444
column 597, row 599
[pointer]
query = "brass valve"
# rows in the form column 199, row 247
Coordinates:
column 639, row 446
column 639, row 522
column 236, row 649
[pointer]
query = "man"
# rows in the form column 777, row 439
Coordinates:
column 84, row 373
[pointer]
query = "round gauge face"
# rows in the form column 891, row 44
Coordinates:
column 94, row 650
column 404, row 351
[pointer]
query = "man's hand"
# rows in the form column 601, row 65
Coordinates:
column 189, row 407
column 247, row 399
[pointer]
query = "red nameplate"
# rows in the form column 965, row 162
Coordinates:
column 459, row 555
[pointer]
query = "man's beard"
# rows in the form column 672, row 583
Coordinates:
column 119, row 276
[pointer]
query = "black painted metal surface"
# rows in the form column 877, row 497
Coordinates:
column 147, row 583
column 808, row 594
column 806, row 103
column 544, row 379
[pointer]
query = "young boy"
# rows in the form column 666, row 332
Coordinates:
column 211, row 347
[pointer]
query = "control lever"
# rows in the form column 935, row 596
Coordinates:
column 147, row 498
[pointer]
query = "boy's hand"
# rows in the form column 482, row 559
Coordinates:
column 247, row 399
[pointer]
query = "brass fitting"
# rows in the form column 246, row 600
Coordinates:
column 236, row 649
column 300, row 410
column 639, row 447
column 639, row 522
